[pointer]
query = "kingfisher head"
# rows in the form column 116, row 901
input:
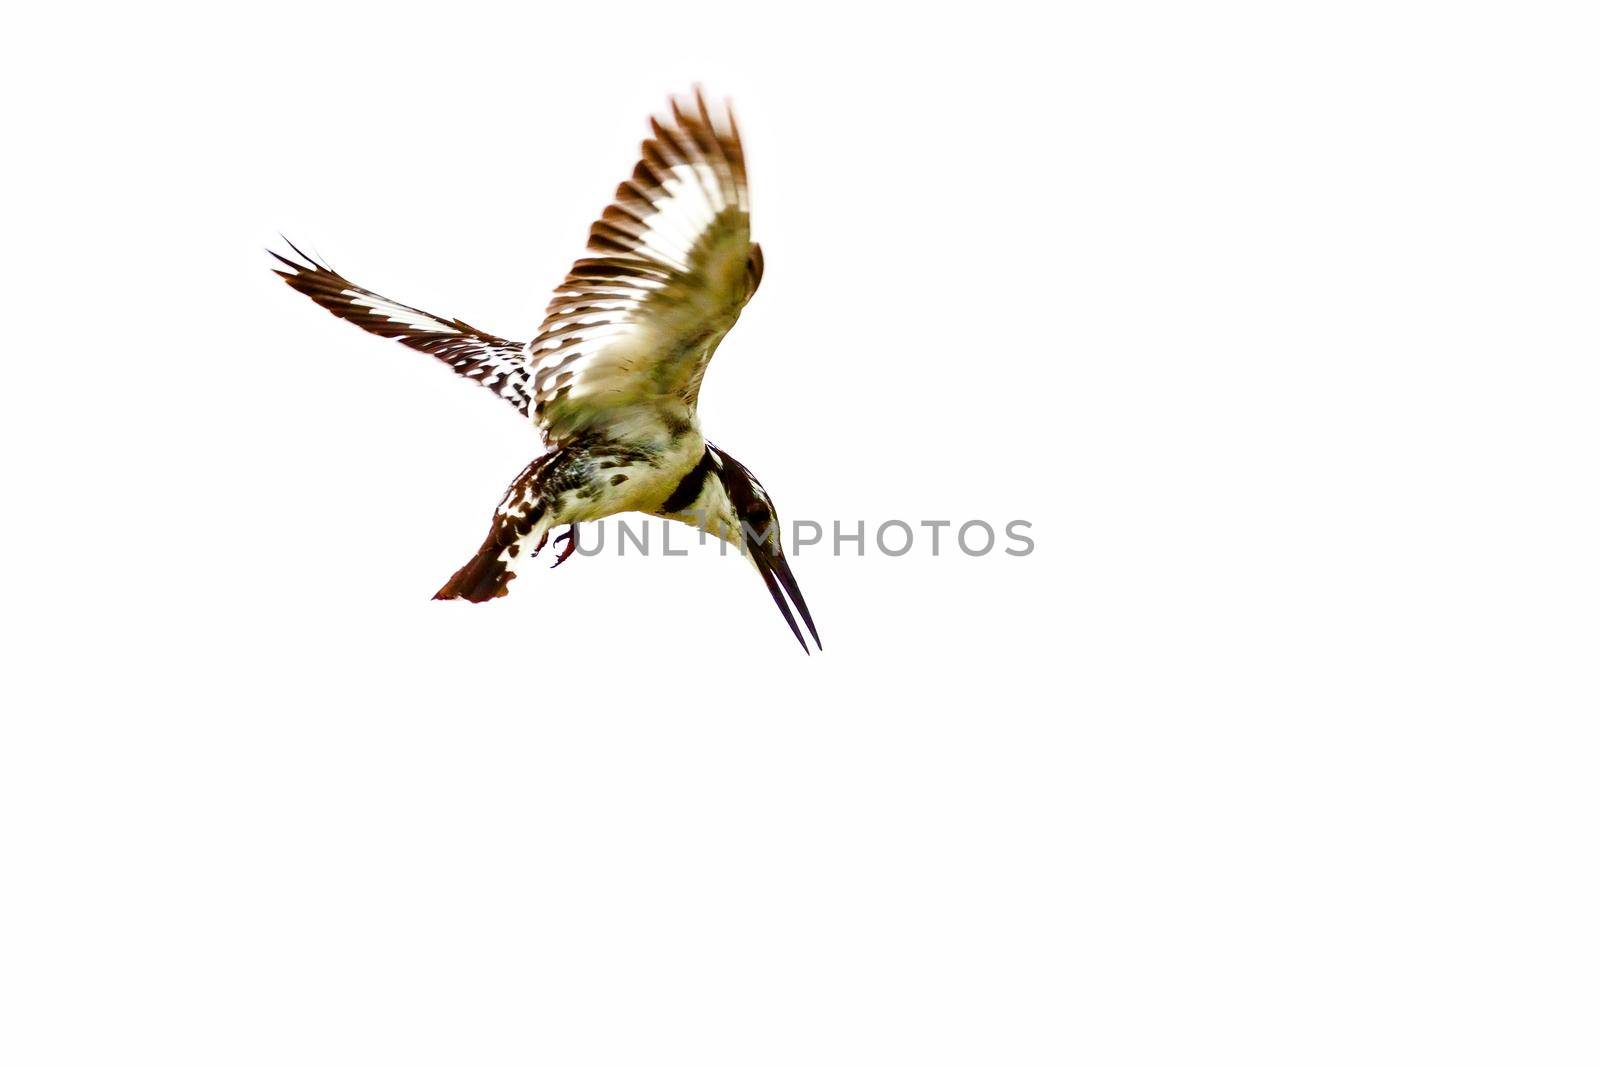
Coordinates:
column 760, row 537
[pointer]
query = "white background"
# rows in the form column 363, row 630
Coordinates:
column 1277, row 322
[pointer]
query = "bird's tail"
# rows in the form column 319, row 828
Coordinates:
column 520, row 527
column 484, row 577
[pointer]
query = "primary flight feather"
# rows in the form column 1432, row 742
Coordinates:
column 612, row 381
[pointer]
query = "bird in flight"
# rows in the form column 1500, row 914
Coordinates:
column 612, row 381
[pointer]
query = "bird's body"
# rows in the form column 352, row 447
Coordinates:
column 612, row 381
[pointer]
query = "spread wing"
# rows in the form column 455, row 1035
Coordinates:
column 491, row 361
column 630, row 331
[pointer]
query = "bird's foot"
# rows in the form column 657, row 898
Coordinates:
column 571, row 538
column 538, row 547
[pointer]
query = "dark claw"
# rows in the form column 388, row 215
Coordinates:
column 542, row 539
column 571, row 538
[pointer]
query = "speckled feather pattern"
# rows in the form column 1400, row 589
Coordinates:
column 612, row 380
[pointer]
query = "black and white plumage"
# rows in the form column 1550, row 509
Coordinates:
column 612, row 381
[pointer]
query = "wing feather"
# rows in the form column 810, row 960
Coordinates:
column 500, row 365
column 634, row 325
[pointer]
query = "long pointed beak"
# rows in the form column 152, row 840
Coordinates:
column 780, row 580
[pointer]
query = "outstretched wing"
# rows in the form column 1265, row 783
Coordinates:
column 635, row 326
column 491, row 361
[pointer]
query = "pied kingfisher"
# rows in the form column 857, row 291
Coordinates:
column 613, row 378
